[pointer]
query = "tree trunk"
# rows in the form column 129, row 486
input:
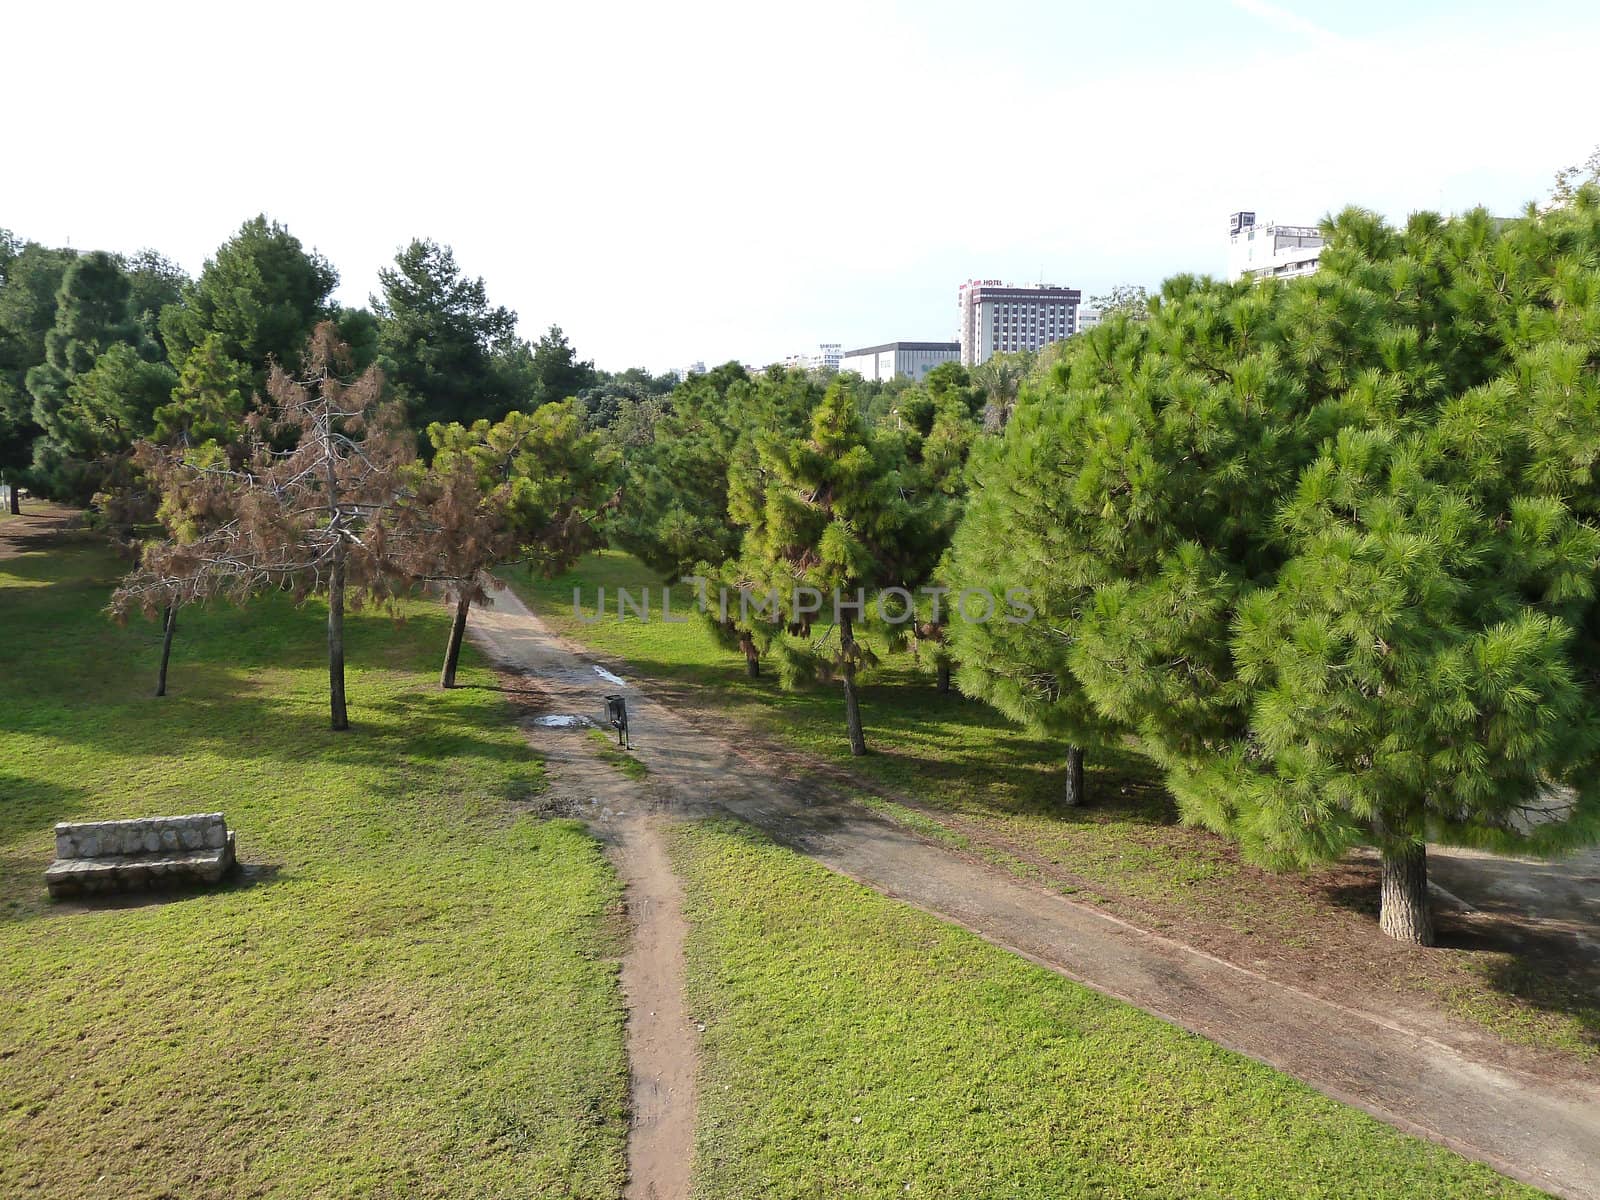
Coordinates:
column 16, row 503
column 944, row 679
column 169, row 624
column 1072, row 794
column 452, row 652
column 752, row 656
column 852, row 706
column 1403, row 909
column 341, row 719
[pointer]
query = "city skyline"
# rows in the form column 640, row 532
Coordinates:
column 626, row 151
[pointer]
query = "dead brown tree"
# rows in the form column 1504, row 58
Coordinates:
column 310, row 503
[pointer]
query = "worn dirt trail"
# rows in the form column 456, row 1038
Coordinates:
column 38, row 527
column 1442, row 1084
column 661, row 1057
column 628, row 819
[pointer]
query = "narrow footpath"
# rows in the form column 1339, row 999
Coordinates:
column 1544, row 1133
column 660, row 1039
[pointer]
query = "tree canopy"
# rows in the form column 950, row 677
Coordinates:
column 438, row 335
column 1326, row 551
column 830, row 516
column 262, row 293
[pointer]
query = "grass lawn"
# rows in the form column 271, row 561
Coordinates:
column 857, row 1047
column 962, row 773
column 412, row 993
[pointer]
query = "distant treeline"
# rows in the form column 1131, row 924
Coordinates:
column 100, row 350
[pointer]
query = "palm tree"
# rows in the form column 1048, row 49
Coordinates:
column 1001, row 379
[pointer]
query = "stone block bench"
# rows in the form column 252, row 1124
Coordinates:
column 155, row 852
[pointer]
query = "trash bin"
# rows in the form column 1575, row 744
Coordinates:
column 617, row 714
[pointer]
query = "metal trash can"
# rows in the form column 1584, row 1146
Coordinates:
column 617, row 714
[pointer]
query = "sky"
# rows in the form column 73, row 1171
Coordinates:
column 687, row 182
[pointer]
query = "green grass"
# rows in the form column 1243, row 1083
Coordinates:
column 857, row 1047
column 414, row 991
column 959, row 772
column 614, row 754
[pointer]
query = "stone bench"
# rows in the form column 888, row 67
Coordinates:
column 155, row 852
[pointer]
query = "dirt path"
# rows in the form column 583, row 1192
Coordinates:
column 661, row 1043
column 37, row 527
column 1563, row 894
column 628, row 819
column 1394, row 1065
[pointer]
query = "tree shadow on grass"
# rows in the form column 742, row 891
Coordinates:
column 1545, row 966
column 944, row 750
column 34, row 543
column 28, row 814
column 1550, row 970
column 32, row 805
column 237, row 718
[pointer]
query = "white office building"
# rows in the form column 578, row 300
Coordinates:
column 1271, row 251
column 825, row 358
column 1002, row 318
column 1088, row 318
column 911, row 359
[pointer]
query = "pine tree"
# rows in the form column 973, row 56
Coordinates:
column 1327, row 551
column 210, row 398
column 674, row 515
column 829, row 516
column 30, row 276
column 314, row 507
column 82, row 419
column 530, row 488
column 262, row 294
column 557, row 372
column 154, row 282
column 437, row 334
column 939, row 423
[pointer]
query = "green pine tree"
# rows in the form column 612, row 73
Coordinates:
column 262, row 294
column 1328, row 551
column 437, row 335
column 82, row 416
column 830, row 516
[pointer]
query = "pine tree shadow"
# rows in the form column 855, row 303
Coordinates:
column 1552, row 970
column 1543, row 965
column 227, row 712
column 34, row 804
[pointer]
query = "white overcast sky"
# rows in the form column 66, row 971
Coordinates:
column 681, row 181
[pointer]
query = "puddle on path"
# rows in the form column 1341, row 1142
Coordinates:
column 564, row 721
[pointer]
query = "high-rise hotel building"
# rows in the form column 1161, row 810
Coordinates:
column 1001, row 318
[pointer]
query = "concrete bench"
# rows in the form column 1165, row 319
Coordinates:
column 155, row 852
